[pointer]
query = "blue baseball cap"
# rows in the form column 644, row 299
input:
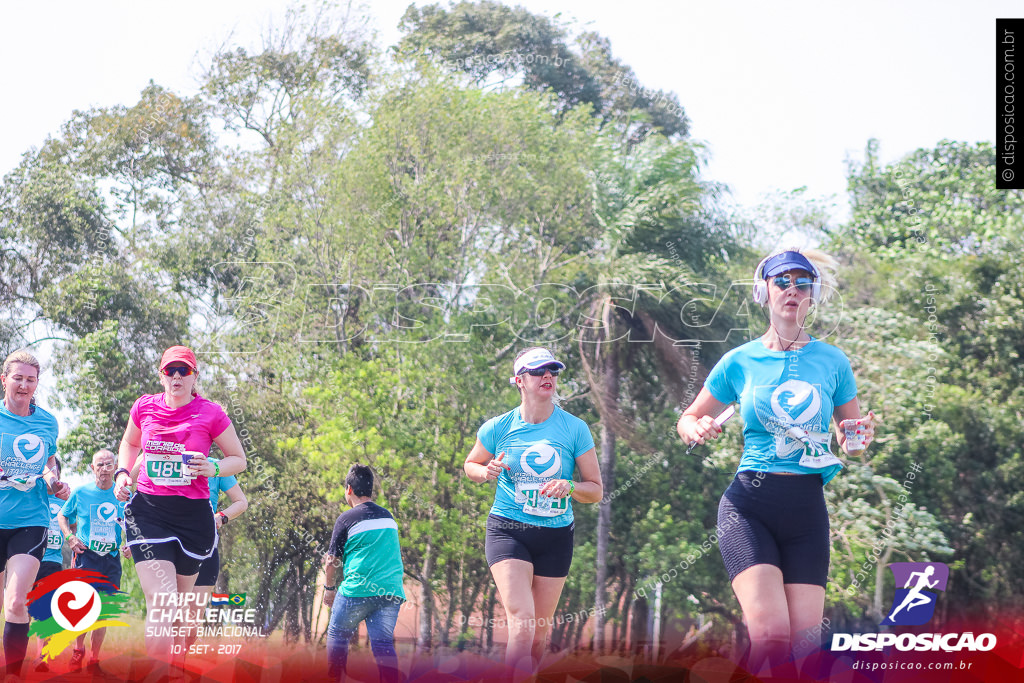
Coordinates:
column 787, row 260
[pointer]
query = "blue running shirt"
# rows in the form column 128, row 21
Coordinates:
column 98, row 515
column 537, row 453
column 779, row 390
column 26, row 443
column 218, row 484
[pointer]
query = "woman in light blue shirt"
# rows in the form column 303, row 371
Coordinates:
column 28, row 446
column 792, row 389
column 532, row 452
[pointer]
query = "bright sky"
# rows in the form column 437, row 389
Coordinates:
column 782, row 92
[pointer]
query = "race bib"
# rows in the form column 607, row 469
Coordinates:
column 520, row 498
column 809, row 459
column 536, row 504
column 101, row 547
column 54, row 537
column 167, row 469
column 102, row 528
column 165, row 463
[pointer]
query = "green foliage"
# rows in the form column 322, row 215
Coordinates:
column 358, row 265
column 52, row 223
column 488, row 37
column 488, row 40
column 873, row 522
column 937, row 253
column 315, row 58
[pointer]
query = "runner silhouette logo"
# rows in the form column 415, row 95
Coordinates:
column 917, row 587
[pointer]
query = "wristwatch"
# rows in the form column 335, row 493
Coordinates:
column 224, row 519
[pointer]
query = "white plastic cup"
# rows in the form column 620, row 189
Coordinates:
column 854, row 440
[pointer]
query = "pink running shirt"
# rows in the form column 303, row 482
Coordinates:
column 166, row 432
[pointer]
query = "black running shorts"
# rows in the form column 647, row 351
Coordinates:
column 775, row 519
column 549, row 549
column 26, row 540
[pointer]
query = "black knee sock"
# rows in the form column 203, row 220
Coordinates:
column 15, row 644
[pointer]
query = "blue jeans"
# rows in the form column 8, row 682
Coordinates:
column 381, row 614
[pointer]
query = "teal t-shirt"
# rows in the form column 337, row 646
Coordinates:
column 779, row 390
column 218, row 484
column 54, row 536
column 26, row 443
column 99, row 515
column 536, row 454
column 366, row 539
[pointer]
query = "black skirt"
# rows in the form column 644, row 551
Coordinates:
column 189, row 522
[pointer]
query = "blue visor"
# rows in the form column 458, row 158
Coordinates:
column 786, row 261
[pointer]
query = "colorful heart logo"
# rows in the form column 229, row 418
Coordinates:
column 76, row 606
column 795, row 404
column 73, row 615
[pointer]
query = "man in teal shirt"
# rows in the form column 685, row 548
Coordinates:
column 365, row 543
column 91, row 521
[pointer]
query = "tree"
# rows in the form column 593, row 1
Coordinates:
column 649, row 198
column 77, row 212
column 487, row 39
column 937, row 250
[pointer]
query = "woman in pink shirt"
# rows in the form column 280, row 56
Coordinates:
column 170, row 527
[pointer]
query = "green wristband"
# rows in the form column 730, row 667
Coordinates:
column 572, row 486
column 216, row 469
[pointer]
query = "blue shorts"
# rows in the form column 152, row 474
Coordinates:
column 108, row 564
column 47, row 568
column 775, row 519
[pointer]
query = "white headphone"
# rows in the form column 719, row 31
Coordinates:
column 760, row 292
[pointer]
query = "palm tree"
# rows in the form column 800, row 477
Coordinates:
column 659, row 230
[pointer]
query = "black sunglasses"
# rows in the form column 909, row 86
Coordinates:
column 539, row 372
column 802, row 283
column 179, row 370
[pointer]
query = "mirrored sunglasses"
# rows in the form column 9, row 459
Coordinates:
column 802, row 283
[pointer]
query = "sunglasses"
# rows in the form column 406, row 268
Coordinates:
column 802, row 283
column 539, row 372
column 179, row 370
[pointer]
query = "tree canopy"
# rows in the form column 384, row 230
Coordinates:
column 357, row 241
